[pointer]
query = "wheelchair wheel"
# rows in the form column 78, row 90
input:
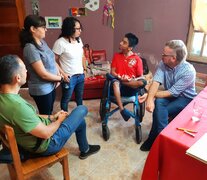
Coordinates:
column 103, row 108
column 138, row 134
column 141, row 111
column 105, row 131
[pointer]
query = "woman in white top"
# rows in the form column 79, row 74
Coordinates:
column 68, row 50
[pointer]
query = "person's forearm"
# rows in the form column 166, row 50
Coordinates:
column 51, row 77
column 163, row 94
column 52, row 128
column 133, row 83
column 152, row 91
column 46, row 131
column 113, row 72
column 59, row 68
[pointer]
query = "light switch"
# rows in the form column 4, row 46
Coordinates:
column 148, row 25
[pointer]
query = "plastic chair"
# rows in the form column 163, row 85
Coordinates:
column 105, row 110
column 23, row 170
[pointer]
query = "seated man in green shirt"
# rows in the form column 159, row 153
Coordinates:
column 38, row 134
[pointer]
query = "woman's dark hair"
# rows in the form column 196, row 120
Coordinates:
column 26, row 35
column 68, row 27
column 9, row 65
column 133, row 40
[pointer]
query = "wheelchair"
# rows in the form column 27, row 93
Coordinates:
column 105, row 110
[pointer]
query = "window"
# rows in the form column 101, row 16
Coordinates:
column 197, row 37
column 197, row 46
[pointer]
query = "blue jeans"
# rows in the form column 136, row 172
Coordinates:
column 76, row 84
column 45, row 102
column 164, row 108
column 73, row 123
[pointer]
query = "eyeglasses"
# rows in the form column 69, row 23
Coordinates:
column 78, row 29
column 166, row 55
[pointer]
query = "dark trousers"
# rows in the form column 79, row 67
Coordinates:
column 45, row 102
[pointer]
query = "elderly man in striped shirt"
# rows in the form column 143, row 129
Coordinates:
column 178, row 79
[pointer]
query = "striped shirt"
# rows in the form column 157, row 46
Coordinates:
column 179, row 81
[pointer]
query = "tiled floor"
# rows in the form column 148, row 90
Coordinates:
column 118, row 159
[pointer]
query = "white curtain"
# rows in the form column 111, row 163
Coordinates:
column 199, row 15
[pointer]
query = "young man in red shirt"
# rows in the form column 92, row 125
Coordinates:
column 126, row 70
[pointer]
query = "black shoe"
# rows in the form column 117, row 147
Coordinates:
column 125, row 114
column 146, row 146
column 92, row 150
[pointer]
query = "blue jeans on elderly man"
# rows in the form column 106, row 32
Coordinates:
column 164, row 108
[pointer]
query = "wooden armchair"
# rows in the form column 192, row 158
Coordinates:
column 23, row 170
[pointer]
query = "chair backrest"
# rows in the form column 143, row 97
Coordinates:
column 8, row 140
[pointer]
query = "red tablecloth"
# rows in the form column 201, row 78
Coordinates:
column 167, row 158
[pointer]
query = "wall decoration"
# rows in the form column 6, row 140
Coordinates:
column 108, row 13
column 35, row 7
column 53, row 22
column 92, row 5
column 77, row 11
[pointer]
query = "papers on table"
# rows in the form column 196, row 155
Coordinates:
column 199, row 149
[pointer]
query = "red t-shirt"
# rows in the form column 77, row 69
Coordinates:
column 130, row 66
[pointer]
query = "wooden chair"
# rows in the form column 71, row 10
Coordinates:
column 23, row 170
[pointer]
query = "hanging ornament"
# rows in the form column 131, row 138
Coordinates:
column 92, row 5
column 108, row 13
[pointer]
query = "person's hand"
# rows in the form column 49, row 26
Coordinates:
column 66, row 78
column 150, row 105
column 124, row 78
column 142, row 98
column 61, row 115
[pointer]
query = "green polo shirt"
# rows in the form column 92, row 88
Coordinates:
column 22, row 116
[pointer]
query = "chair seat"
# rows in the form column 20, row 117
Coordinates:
column 30, row 165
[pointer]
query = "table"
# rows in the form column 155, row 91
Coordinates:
column 167, row 159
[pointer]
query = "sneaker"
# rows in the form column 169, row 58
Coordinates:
column 126, row 114
column 146, row 146
column 92, row 150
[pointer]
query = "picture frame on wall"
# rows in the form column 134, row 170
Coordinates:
column 53, row 22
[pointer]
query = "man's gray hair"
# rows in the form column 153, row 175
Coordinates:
column 180, row 49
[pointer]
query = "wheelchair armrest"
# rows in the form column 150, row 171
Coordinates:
column 144, row 81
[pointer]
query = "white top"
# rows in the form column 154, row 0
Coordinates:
column 70, row 55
